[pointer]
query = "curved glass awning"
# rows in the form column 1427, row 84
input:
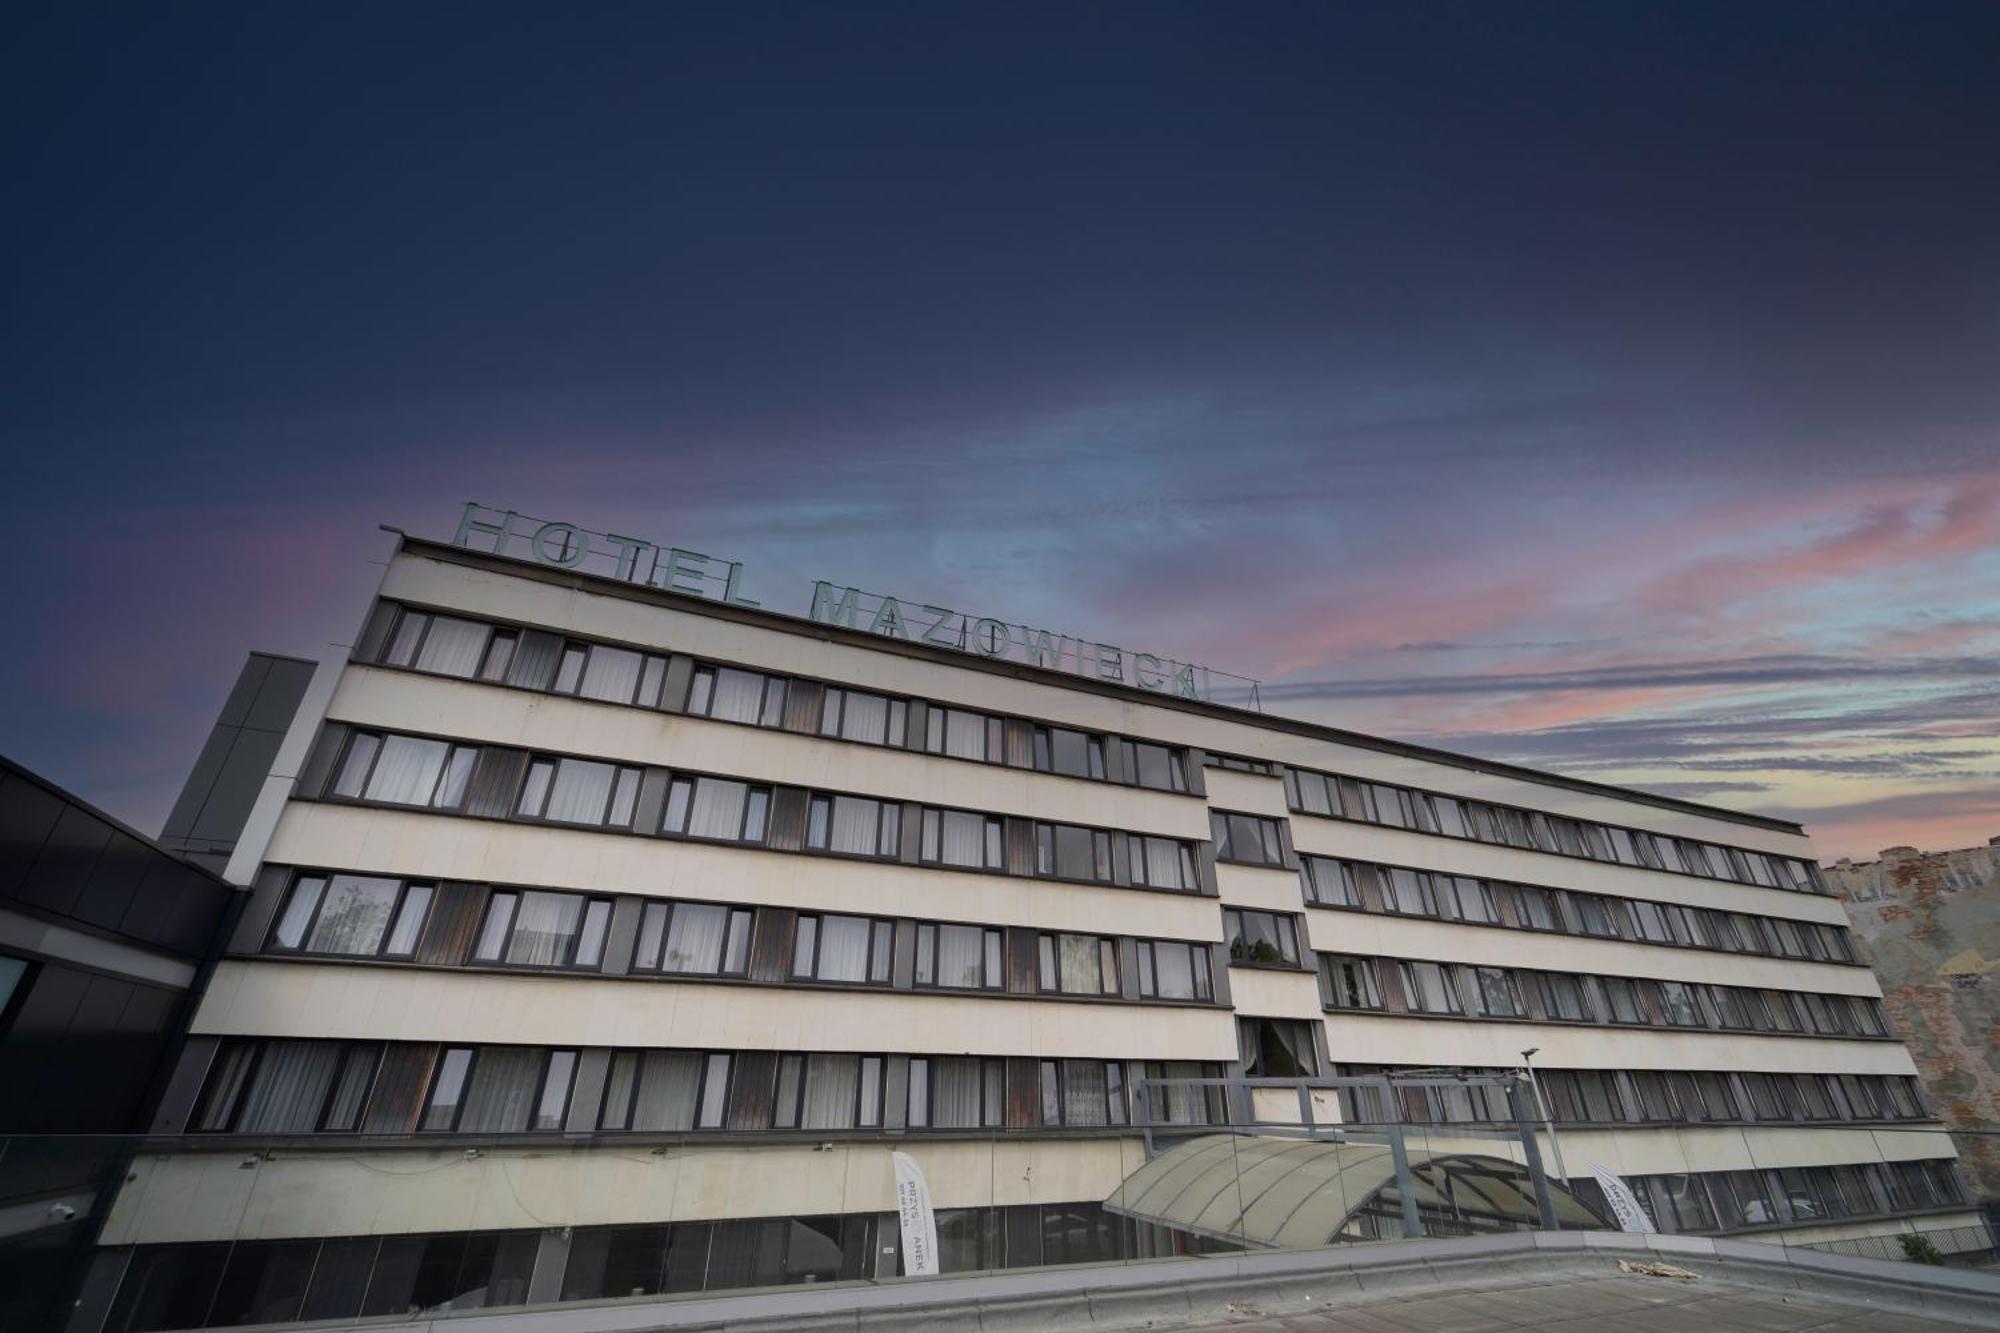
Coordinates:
column 1288, row 1193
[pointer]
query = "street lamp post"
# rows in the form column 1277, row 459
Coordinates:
column 1528, row 1059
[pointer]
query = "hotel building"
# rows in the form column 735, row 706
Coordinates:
column 603, row 939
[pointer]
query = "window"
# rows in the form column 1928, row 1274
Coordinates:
column 1534, row 908
column 1260, row 937
column 1082, row 1092
column 1349, row 982
column 1656, row 1102
column 614, row 675
column 732, row 695
column 1155, row 766
column 1767, row 1097
column 1648, row 922
column 355, row 915
column 1678, row 1004
column 843, row 948
column 1621, row 1000
column 828, row 1092
column 716, row 809
column 534, row 929
column 1073, row 753
column 1428, row 990
column 449, row 646
column 579, row 791
column 961, row 838
column 1070, row 851
column 1494, row 994
column 1731, row 1011
column 963, row 735
column 700, row 939
column 1597, row 916
column 1161, row 863
column 854, row 826
column 288, row 1087
column 856, row 715
column 1170, row 970
column 1330, row 883
column 1465, row 899
column 959, row 957
column 1236, row 764
column 405, row 770
column 1562, row 993
column 1246, row 838
column 1078, row 964
column 1277, row 1048
column 655, row 1091
column 1405, row 892
column 957, row 1093
column 499, row 1090
column 1308, row 791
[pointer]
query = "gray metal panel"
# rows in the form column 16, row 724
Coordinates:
column 1121, row 860
column 623, row 935
column 551, row 1259
column 313, row 778
column 535, row 657
column 1197, row 779
column 804, row 700
column 1128, row 967
column 896, row 1092
column 1289, row 853
column 903, row 956
column 593, row 1065
column 680, row 674
column 786, row 831
column 278, row 699
column 236, row 785
column 495, row 780
column 1018, row 845
column 1218, row 972
column 100, row 1285
column 918, row 725
column 652, row 807
column 1205, row 869
column 254, row 926
column 236, row 708
column 184, row 1086
column 911, row 846
column 1114, row 760
column 375, row 634
column 194, row 792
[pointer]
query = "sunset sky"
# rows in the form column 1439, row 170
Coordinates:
column 1609, row 389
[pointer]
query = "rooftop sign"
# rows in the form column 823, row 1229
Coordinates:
column 636, row 560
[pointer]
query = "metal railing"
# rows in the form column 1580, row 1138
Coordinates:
column 1948, row 1241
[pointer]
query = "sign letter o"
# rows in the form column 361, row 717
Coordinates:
column 991, row 637
column 570, row 545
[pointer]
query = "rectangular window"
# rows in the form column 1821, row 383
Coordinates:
column 1330, row 883
column 1406, row 892
column 1678, row 1004
column 1245, row 838
column 1082, row 1093
column 957, row 1093
column 1648, row 922
column 730, row 694
column 1464, row 899
column 1534, row 908
column 1155, row 766
column 654, row 1091
column 1597, row 916
column 405, row 770
column 612, row 675
column 1161, row 863
column 1621, row 1000
column 1170, row 970
column 287, row 1087
column 353, row 915
column 1349, row 982
column 1078, row 965
column 442, row 645
column 1656, row 1103
column 699, row 939
column 852, row 949
column 854, row 826
column 1070, row 851
column 1494, row 993
column 1563, row 994
column 579, row 791
column 1074, row 754
column 530, row 928
column 962, row 734
column 716, row 809
column 958, row 957
column 961, row 838
column 856, row 715
column 1428, row 989
column 1260, row 938
column 828, row 1092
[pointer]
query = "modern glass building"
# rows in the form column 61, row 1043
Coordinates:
column 607, row 940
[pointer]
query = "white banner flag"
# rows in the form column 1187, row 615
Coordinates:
column 1624, row 1203
column 919, row 1223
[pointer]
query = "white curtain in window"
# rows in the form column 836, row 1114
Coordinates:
column 611, row 674
column 1163, row 864
column 955, row 1103
column 1078, row 964
column 739, row 695
column 504, row 1084
column 291, row 1085
column 1084, row 1095
column 1180, row 1103
column 694, row 939
column 855, row 825
column 717, row 810
column 964, row 841
column 964, row 734
column 843, row 948
column 961, row 950
column 866, row 718
column 355, row 915
column 454, row 646
column 581, row 792
column 407, row 772
column 1173, row 967
column 833, row 1083
column 543, row 926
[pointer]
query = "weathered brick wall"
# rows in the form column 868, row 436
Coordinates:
column 1930, row 924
